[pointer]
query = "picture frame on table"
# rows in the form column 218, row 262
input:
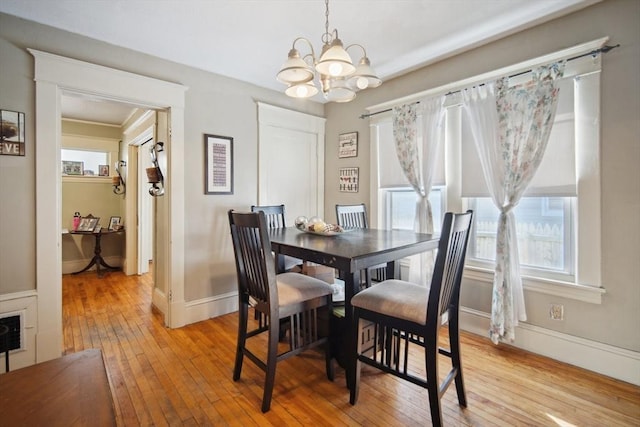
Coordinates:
column 70, row 167
column 103, row 170
column 114, row 223
column 348, row 145
column 88, row 224
column 218, row 157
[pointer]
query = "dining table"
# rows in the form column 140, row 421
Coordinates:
column 350, row 252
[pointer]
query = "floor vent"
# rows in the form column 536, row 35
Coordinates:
column 15, row 332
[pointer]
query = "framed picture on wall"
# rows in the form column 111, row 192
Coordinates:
column 348, row 145
column 349, row 180
column 218, row 164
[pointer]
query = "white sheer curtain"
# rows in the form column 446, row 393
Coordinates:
column 417, row 156
column 511, row 127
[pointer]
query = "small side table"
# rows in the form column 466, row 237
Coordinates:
column 97, row 259
column 4, row 339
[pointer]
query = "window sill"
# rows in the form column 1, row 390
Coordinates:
column 590, row 294
column 86, row 179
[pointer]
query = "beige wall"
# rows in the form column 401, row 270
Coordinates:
column 213, row 105
column 223, row 106
column 616, row 320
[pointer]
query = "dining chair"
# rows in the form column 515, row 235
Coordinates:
column 407, row 314
column 304, row 301
column 274, row 215
column 355, row 216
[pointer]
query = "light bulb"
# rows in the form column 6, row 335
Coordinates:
column 362, row 82
column 301, row 91
column 335, row 69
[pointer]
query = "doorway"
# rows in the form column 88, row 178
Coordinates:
column 53, row 75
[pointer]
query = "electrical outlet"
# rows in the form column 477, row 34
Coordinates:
column 556, row 312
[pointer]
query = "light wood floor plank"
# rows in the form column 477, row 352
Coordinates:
column 161, row 376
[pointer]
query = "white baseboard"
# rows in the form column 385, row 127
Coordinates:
column 206, row 308
column 604, row 359
column 159, row 300
column 69, row 267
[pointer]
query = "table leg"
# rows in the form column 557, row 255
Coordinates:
column 351, row 287
column 97, row 259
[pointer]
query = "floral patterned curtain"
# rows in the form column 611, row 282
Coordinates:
column 511, row 127
column 417, row 158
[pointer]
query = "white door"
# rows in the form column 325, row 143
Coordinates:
column 291, row 161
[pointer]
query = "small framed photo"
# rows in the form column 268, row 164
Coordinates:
column 348, row 145
column 349, row 180
column 88, row 224
column 218, row 158
column 103, row 170
column 114, row 223
column 72, row 168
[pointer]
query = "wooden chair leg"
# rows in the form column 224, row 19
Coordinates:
column 433, row 385
column 272, row 359
column 243, row 314
column 456, row 362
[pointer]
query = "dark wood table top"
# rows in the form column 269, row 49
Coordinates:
column 71, row 390
column 353, row 250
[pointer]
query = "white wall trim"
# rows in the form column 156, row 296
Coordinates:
column 206, row 308
column 575, row 291
column 69, row 267
column 602, row 358
column 54, row 75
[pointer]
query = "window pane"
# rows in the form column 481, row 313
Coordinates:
column 543, row 227
column 402, row 209
column 91, row 159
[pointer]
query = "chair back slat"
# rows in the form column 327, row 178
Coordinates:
column 254, row 259
column 352, row 216
column 274, row 215
column 447, row 276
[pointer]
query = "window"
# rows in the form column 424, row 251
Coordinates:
column 401, row 208
column 558, row 219
column 544, row 226
column 91, row 159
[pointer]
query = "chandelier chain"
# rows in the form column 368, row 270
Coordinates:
column 326, row 37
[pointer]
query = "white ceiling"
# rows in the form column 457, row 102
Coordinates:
column 249, row 39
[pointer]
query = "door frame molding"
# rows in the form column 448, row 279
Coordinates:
column 53, row 76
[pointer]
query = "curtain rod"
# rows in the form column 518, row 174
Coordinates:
column 595, row 52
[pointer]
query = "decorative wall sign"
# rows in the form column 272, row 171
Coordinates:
column 218, row 164
column 349, row 180
column 11, row 133
column 348, row 144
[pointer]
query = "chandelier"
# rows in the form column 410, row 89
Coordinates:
column 335, row 72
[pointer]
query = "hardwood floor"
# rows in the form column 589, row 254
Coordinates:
column 176, row 377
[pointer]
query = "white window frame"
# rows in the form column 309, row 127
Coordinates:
column 587, row 285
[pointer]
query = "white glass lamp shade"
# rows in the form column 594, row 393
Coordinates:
column 302, row 90
column 338, row 91
column 295, row 70
column 364, row 76
column 335, row 61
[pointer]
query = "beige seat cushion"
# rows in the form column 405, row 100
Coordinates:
column 395, row 298
column 295, row 287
